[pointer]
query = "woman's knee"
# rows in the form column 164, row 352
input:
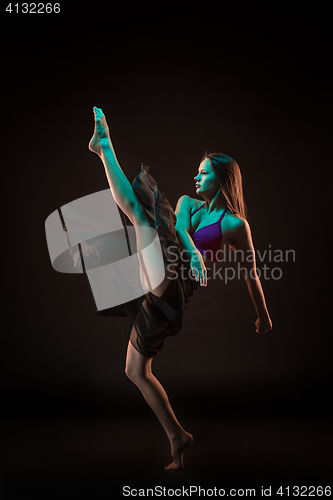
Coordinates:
column 134, row 373
column 129, row 372
column 137, row 366
column 139, row 217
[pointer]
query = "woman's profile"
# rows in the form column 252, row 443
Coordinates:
column 195, row 232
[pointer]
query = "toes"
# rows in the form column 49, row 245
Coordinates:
column 172, row 466
column 97, row 112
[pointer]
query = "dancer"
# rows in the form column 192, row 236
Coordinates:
column 188, row 238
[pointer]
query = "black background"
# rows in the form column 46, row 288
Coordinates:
column 252, row 82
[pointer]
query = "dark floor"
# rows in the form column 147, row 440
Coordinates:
column 95, row 459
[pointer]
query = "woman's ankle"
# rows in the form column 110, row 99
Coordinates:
column 176, row 434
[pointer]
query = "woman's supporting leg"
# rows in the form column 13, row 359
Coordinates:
column 138, row 370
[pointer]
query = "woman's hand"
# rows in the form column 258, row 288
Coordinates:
column 198, row 268
column 263, row 325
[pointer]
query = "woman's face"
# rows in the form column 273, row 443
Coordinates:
column 206, row 182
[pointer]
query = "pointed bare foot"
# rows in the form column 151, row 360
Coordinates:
column 178, row 446
column 101, row 135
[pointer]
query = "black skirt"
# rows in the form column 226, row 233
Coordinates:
column 151, row 319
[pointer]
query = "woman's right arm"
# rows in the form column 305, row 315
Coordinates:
column 183, row 225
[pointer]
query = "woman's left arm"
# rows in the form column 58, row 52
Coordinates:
column 245, row 255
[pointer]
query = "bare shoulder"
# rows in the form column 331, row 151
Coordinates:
column 236, row 229
column 239, row 224
column 185, row 202
column 197, row 203
column 241, row 232
column 183, row 213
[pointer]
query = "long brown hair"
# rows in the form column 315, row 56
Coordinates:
column 229, row 175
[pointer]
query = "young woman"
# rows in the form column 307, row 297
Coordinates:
column 187, row 239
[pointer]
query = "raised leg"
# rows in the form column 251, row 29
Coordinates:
column 126, row 199
column 120, row 186
column 138, row 370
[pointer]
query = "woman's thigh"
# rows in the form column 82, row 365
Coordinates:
column 155, row 273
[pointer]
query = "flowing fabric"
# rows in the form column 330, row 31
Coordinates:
column 151, row 318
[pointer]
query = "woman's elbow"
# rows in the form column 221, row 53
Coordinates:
column 250, row 275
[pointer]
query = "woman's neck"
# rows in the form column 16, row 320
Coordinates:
column 215, row 203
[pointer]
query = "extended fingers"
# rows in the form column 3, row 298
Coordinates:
column 200, row 274
column 204, row 277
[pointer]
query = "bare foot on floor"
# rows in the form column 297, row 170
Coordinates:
column 178, row 446
column 101, row 135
